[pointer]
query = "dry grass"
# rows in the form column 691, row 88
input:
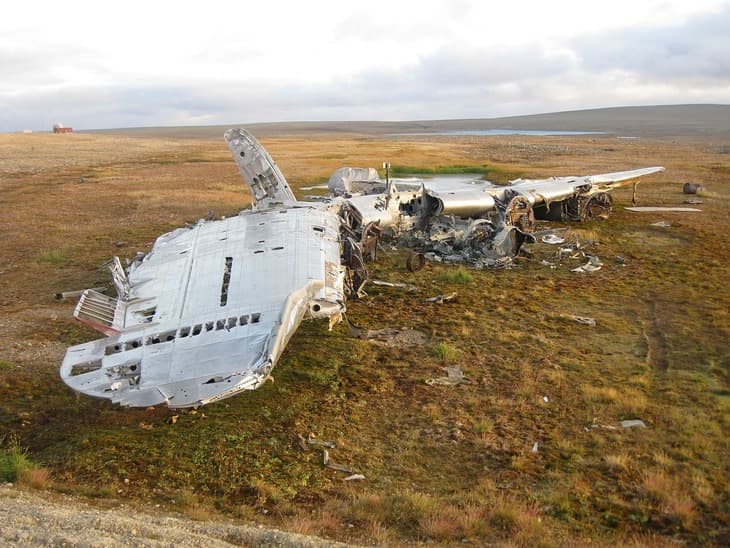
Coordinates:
column 443, row 463
column 35, row 478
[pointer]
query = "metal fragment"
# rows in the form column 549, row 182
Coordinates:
column 584, row 320
column 441, row 299
column 633, row 423
column 454, row 376
column 552, row 239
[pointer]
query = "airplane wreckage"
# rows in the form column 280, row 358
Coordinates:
column 208, row 311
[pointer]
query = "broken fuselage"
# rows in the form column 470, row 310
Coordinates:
column 208, row 311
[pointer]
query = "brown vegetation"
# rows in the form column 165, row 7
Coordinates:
column 442, row 463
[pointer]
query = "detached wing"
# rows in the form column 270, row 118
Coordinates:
column 208, row 312
column 542, row 191
column 210, row 309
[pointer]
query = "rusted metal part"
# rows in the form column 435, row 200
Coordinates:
column 369, row 241
column 693, row 188
column 519, row 214
column 356, row 275
column 415, row 262
column 596, row 206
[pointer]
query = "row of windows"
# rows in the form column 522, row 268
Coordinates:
column 189, row 331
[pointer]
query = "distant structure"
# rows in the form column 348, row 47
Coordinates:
column 59, row 128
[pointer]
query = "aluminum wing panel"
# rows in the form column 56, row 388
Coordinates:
column 211, row 309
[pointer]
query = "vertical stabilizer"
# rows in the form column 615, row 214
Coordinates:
column 259, row 171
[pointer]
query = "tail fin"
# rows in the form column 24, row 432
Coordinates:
column 260, row 173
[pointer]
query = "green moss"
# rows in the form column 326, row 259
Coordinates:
column 457, row 275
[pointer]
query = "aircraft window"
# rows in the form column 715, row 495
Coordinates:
column 88, row 367
column 129, row 345
column 255, row 318
column 197, row 329
column 243, row 320
column 231, row 322
column 161, row 338
column 184, row 332
column 112, row 349
column 277, row 248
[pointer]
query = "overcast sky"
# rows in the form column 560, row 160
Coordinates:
column 149, row 63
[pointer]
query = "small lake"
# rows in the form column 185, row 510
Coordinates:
column 533, row 132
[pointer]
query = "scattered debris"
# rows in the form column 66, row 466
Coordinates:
column 312, row 440
column 593, row 264
column 693, row 188
column 584, row 320
column 415, row 262
column 633, row 423
column 693, row 201
column 662, row 209
column 173, row 419
column 552, row 239
column 462, row 221
column 394, row 284
column 570, row 251
column 596, row 425
column 662, row 224
column 454, row 376
column 329, row 464
column 389, row 336
column 441, row 299
column 545, row 399
column 547, row 263
column 621, row 260
column 535, row 447
column 302, row 442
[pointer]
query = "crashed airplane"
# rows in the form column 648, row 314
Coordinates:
column 207, row 313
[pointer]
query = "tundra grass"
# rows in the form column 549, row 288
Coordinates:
column 528, row 451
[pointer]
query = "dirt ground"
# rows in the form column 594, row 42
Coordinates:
column 29, row 519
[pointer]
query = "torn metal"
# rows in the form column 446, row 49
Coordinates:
column 454, row 376
column 208, row 311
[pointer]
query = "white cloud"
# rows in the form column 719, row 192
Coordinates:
column 164, row 63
